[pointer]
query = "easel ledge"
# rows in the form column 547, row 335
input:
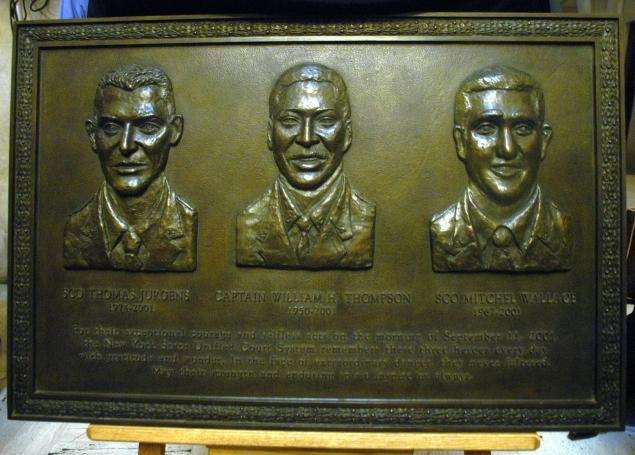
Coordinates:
column 152, row 441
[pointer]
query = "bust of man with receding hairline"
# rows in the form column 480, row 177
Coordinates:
column 504, row 222
column 310, row 218
column 136, row 221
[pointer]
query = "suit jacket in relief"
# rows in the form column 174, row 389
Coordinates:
column 455, row 247
column 169, row 243
column 345, row 240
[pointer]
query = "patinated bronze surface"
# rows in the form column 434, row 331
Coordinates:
column 324, row 198
column 135, row 221
column 311, row 217
column 503, row 222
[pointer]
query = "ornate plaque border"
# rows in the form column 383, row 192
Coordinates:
column 605, row 413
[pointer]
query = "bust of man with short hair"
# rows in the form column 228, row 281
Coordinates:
column 310, row 218
column 136, row 221
column 504, row 222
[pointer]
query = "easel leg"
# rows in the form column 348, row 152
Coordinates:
column 477, row 452
column 151, row 449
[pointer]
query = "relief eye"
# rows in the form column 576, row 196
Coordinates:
column 149, row 127
column 110, row 128
column 485, row 129
column 288, row 121
column 523, row 129
column 327, row 121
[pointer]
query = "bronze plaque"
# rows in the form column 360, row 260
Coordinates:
column 406, row 223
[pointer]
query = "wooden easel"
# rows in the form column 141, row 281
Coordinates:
column 152, row 441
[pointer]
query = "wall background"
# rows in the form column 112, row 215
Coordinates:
column 6, row 41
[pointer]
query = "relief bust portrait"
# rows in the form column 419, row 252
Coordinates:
column 311, row 217
column 135, row 221
column 504, row 222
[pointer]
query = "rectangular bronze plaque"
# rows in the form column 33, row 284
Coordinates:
column 406, row 223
